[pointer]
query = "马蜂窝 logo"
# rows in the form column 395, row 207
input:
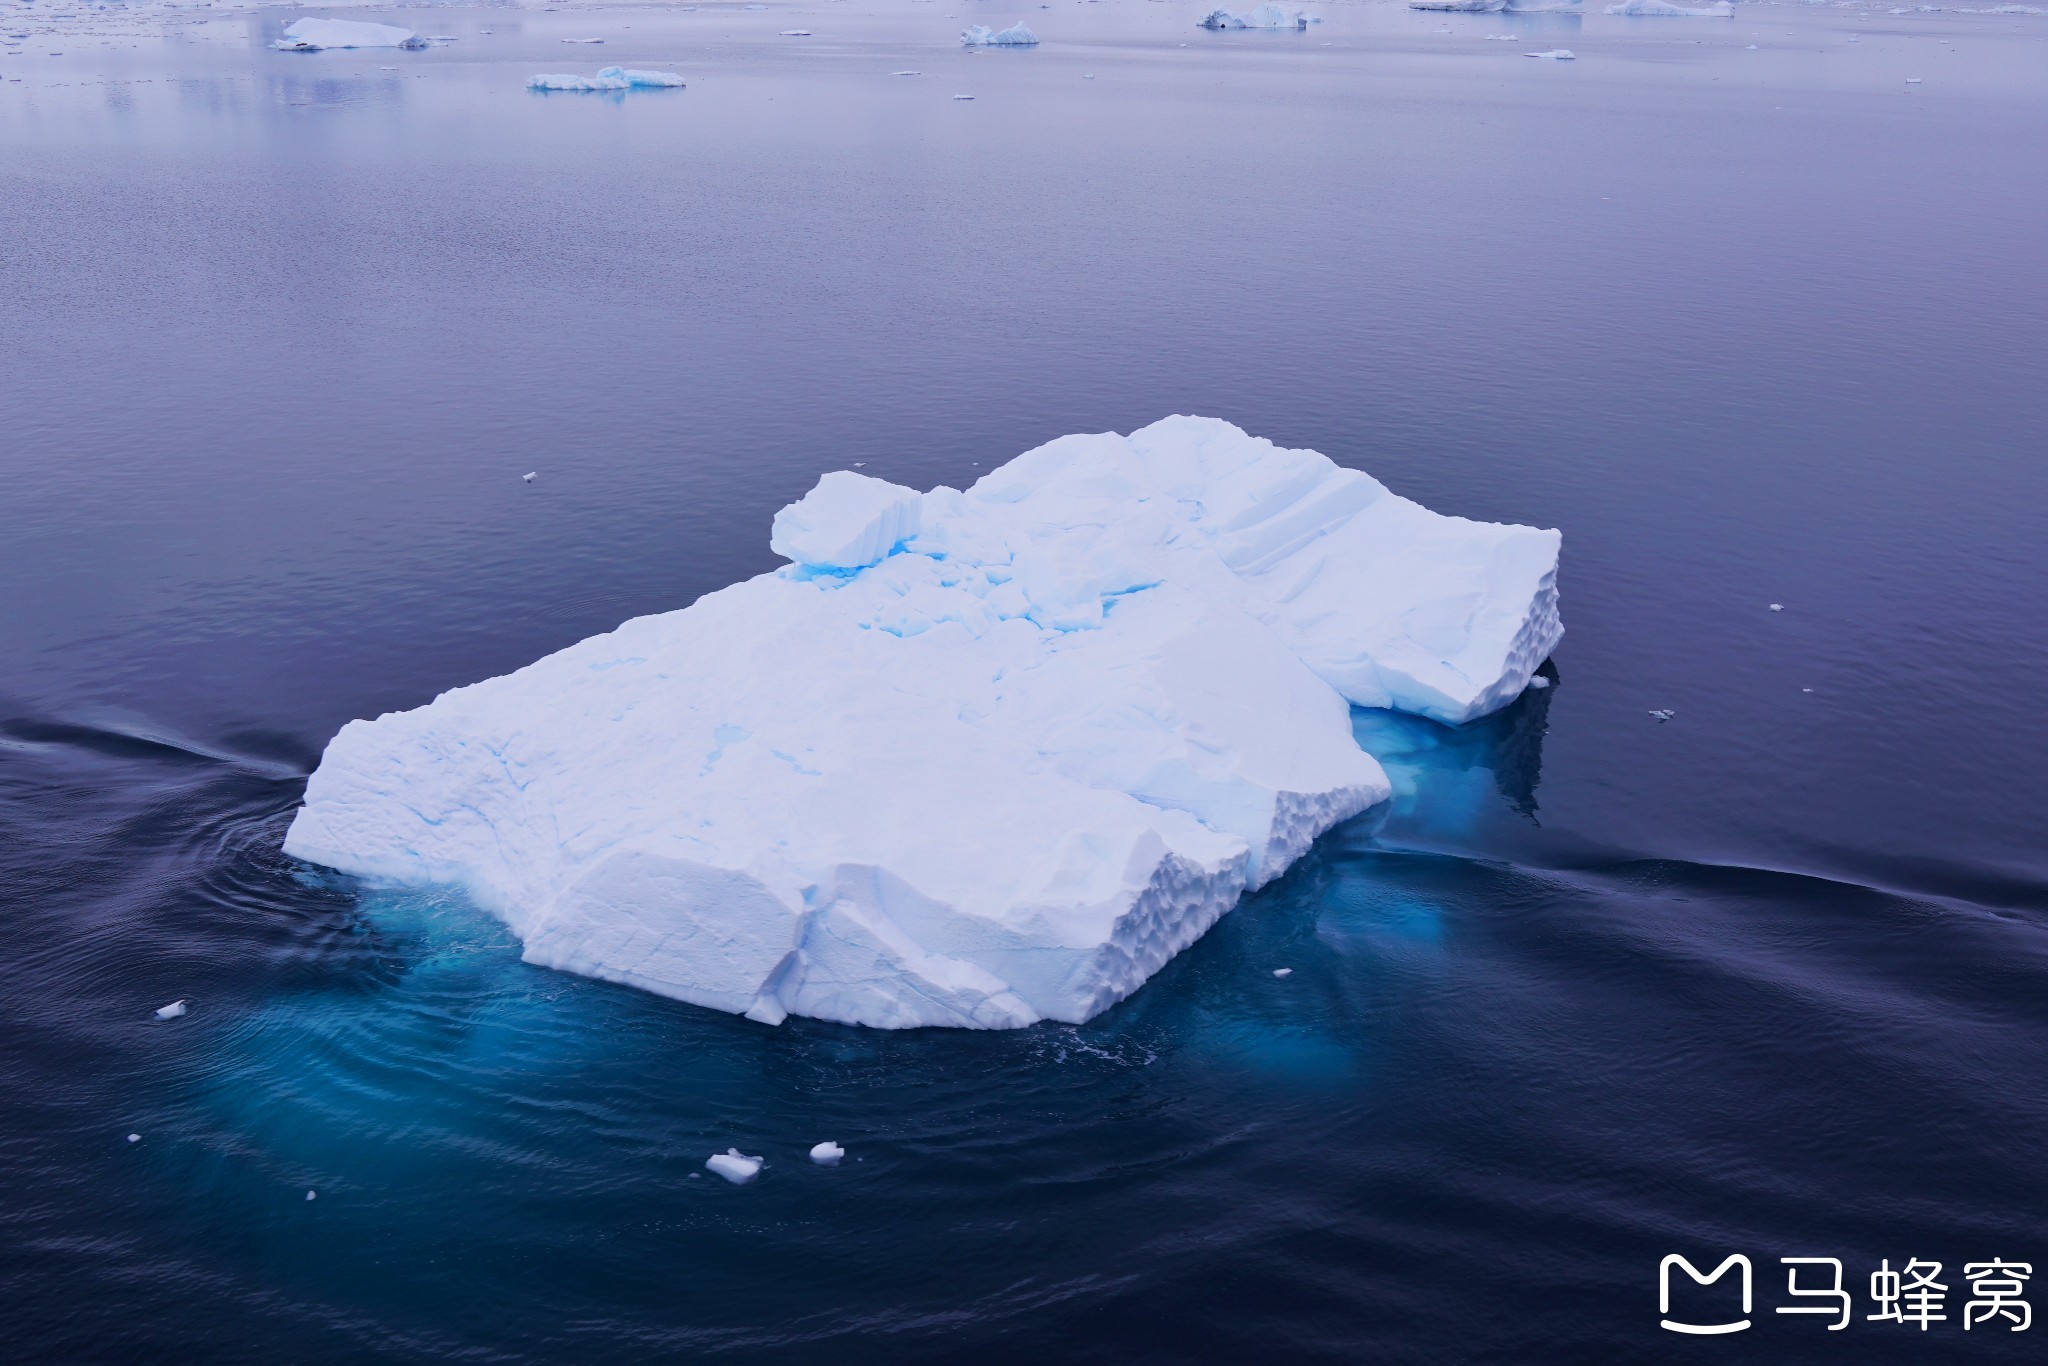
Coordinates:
column 1664, row 1293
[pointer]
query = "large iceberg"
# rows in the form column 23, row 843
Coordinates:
column 973, row 758
column 1265, row 16
column 312, row 35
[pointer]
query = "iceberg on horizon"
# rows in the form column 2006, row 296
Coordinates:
column 1664, row 9
column 315, row 35
column 1498, row 6
column 1265, row 16
column 1016, row 35
column 974, row 758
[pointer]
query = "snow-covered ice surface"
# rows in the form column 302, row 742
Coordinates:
column 1016, row 35
column 1264, row 16
column 313, row 35
column 975, row 758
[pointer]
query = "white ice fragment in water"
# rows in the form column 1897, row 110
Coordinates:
column 1016, row 35
column 1283, row 972
column 171, row 1011
column 963, row 97
column 1664, row 9
column 1002, row 769
column 1664, row 715
column 1777, row 607
column 590, row 42
column 312, row 1195
column 1556, row 54
column 565, row 80
column 1539, row 682
column 734, row 1165
column 313, row 35
column 906, row 73
column 827, row 1154
column 1265, row 16
column 530, row 476
column 135, row 1138
column 1912, row 80
column 796, row 33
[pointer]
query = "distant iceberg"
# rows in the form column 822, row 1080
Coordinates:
column 974, row 758
column 1265, row 16
column 1641, row 9
column 610, row 78
column 1499, row 6
column 312, row 35
column 1016, row 35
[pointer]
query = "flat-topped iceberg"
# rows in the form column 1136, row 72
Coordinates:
column 609, row 78
column 313, row 35
column 1016, row 35
column 1265, row 16
column 973, row 758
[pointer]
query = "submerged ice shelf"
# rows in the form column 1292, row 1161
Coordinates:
column 973, row 758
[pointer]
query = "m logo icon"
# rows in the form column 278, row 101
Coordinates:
column 1664, row 1293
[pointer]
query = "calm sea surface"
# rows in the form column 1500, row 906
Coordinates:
column 279, row 333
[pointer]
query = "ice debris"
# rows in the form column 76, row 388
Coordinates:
column 609, row 78
column 171, row 1011
column 1283, row 972
column 1664, row 715
column 1016, row 35
column 529, row 476
column 1498, row 6
column 1265, row 16
column 312, row 35
column 312, row 1195
column 989, row 765
column 1556, row 54
column 1777, row 607
column 1539, row 682
column 827, row 1154
column 734, row 1165
column 1664, row 9
column 135, row 1138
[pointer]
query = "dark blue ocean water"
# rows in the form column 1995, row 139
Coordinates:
column 278, row 335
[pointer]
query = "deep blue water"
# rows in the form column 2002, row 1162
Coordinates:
column 279, row 333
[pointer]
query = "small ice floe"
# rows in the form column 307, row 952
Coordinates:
column 753, row 7
column 1265, row 16
column 610, row 78
column 387, row 68
column 1087, row 75
column 1499, row 38
column 584, row 41
column 1752, row 47
column 827, row 1154
column 963, row 97
column 1777, row 607
column 1912, row 80
column 313, row 35
column 312, row 1195
column 1664, row 715
column 1806, row 690
column 734, row 1165
column 135, row 1138
column 1556, row 54
column 1664, row 9
column 171, row 1011
column 1016, row 35
column 796, row 33
column 529, row 476
column 1539, row 682
column 1283, row 972
column 906, row 73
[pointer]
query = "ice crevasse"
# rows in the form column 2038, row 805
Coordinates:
column 973, row 758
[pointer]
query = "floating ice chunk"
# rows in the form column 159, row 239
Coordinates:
column 135, row 1138
column 1664, row 9
column 562, row 80
column 1539, row 682
column 1265, row 16
column 734, row 1165
column 1556, row 54
column 1016, row 35
column 1777, row 607
column 588, row 42
column 977, row 758
column 847, row 521
column 1283, row 972
column 796, row 33
column 827, row 1154
column 171, row 1011
column 906, row 73
column 312, row 35
column 1912, row 80
column 1664, row 715
column 645, row 80
column 531, row 475
column 312, row 1195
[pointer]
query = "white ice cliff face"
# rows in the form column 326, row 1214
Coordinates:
column 974, row 758
column 314, row 35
